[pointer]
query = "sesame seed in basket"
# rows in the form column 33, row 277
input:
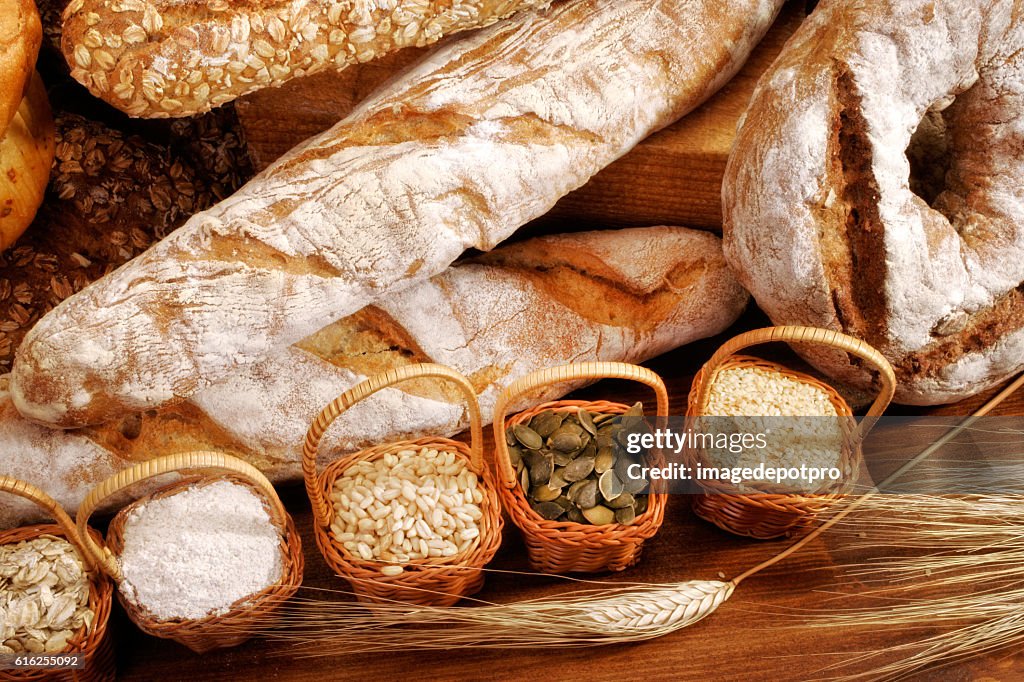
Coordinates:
column 756, row 391
column 818, row 432
column 415, row 504
column 757, row 397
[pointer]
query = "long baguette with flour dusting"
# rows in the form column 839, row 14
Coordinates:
column 459, row 151
column 617, row 295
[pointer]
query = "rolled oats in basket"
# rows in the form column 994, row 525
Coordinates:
column 44, row 595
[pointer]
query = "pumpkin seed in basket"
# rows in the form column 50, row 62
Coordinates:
column 573, row 466
column 528, row 437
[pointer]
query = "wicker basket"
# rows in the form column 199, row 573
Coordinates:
column 772, row 515
column 215, row 631
column 441, row 581
column 93, row 641
column 565, row 546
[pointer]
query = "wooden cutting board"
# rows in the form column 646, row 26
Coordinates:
column 673, row 178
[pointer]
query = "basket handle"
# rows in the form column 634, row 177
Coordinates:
column 334, row 409
column 36, row 495
column 811, row 335
column 200, row 459
column 558, row 375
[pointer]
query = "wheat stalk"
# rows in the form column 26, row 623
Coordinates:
column 585, row 618
column 589, row 618
column 965, row 571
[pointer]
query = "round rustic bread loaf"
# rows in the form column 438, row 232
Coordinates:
column 26, row 154
column 20, row 37
column 877, row 187
column 26, row 124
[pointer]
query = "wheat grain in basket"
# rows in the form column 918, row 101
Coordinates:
column 410, row 521
column 769, row 514
column 224, row 627
column 92, row 639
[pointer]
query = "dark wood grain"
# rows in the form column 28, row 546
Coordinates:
column 757, row 635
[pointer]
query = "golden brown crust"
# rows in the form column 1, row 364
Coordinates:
column 26, row 153
column 160, row 58
column 20, row 37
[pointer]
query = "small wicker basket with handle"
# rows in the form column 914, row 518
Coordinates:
column 565, row 546
column 772, row 515
column 217, row 630
column 92, row 641
column 433, row 581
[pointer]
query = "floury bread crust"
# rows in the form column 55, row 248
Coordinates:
column 822, row 225
column 617, row 295
column 159, row 58
column 457, row 152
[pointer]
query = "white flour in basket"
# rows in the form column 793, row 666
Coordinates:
column 194, row 553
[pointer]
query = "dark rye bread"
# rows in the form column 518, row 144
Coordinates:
column 877, row 187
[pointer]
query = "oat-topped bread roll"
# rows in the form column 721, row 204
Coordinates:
column 877, row 188
column 616, row 295
column 457, row 152
column 159, row 58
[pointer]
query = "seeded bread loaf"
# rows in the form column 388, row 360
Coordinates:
column 159, row 58
column 616, row 295
column 459, row 151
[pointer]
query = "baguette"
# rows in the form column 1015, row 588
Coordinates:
column 461, row 150
column 158, row 59
column 617, row 295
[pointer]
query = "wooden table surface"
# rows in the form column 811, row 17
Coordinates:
column 758, row 634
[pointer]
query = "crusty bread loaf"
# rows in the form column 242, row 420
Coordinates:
column 461, row 150
column 26, row 154
column 615, row 295
column 20, row 37
column 158, row 58
column 26, row 124
column 822, row 221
